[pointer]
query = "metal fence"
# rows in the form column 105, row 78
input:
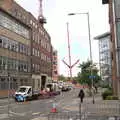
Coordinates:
column 105, row 110
column 69, row 116
column 63, row 116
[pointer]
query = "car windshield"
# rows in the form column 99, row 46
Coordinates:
column 22, row 90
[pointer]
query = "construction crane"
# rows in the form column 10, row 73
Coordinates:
column 70, row 65
column 41, row 18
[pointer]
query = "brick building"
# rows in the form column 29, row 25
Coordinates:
column 55, row 66
column 25, row 48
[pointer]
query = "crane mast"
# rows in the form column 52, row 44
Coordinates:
column 41, row 18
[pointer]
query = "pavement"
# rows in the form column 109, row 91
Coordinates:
column 66, row 103
column 103, row 109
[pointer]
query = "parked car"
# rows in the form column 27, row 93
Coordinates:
column 66, row 88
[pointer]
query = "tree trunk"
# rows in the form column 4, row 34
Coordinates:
column 90, row 90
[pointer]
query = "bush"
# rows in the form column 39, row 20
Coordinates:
column 108, row 98
column 106, row 94
column 111, row 98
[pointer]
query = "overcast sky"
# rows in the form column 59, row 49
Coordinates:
column 56, row 12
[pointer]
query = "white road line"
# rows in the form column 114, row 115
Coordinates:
column 19, row 114
column 37, row 113
column 3, row 116
column 3, row 106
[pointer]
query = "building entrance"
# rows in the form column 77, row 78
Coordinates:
column 43, row 82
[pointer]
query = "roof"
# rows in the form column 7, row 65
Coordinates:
column 102, row 36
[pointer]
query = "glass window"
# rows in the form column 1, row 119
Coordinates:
column 13, row 25
column 4, row 60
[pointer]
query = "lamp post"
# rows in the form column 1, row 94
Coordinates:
column 89, row 35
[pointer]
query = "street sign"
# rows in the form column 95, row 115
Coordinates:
column 92, row 76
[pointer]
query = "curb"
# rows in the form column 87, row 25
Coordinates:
column 4, row 97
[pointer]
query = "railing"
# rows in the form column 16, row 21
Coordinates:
column 103, row 110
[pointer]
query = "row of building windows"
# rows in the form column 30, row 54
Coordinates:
column 14, row 65
column 45, row 58
column 35, row 67
column 21, row 16
column 13, row 26
column 43, row 43
column 36, row 52
column 4, row 83
column 14, row 45
column 38, row 68
column 40, row 29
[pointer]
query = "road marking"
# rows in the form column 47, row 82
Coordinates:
column 36, row 113
column 3, row 116
column 18, row 114
column 3, row 106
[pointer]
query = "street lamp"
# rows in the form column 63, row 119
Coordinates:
column 89, row 35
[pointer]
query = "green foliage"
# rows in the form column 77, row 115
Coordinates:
column 62, row 77
column 111, row 98
column 106, row 93
column 83, row 76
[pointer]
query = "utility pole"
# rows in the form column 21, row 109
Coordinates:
column 90, row 47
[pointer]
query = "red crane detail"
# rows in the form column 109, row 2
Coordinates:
column 41, row 18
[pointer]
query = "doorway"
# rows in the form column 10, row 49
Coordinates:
column 43, row 82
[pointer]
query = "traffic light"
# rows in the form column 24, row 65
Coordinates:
column 105, row 1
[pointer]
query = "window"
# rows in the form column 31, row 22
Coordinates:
column 13, row 25
column 4, row 60
column 0, row 62
column 29, row 91
column 0, row 42
column 33, row 67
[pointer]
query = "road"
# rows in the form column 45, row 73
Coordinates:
column 31, row 109
column 67, row 102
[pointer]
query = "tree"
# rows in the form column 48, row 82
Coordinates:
column 88, row 73
column 62, row 78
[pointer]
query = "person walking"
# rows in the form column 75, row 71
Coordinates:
column 81, row 95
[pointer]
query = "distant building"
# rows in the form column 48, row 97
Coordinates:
column 105, row 57
column 25, row 48
column 55, row 66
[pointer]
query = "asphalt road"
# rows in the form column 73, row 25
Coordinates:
column 65, row 103
column 31, row 109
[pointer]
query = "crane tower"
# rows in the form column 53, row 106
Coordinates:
column 41, row 18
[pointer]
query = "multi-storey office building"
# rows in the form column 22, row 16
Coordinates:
column 105, row 57
column 25, row 48
column 55, row 66
column 14, row 51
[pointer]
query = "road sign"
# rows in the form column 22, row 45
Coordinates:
column 92, row 76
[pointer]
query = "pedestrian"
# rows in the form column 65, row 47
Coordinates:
column 81, row 95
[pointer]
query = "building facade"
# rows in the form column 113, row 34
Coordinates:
column 55, row 66
column 25, row 48
column 105, row 57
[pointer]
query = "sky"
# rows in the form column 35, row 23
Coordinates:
column 56, row 13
